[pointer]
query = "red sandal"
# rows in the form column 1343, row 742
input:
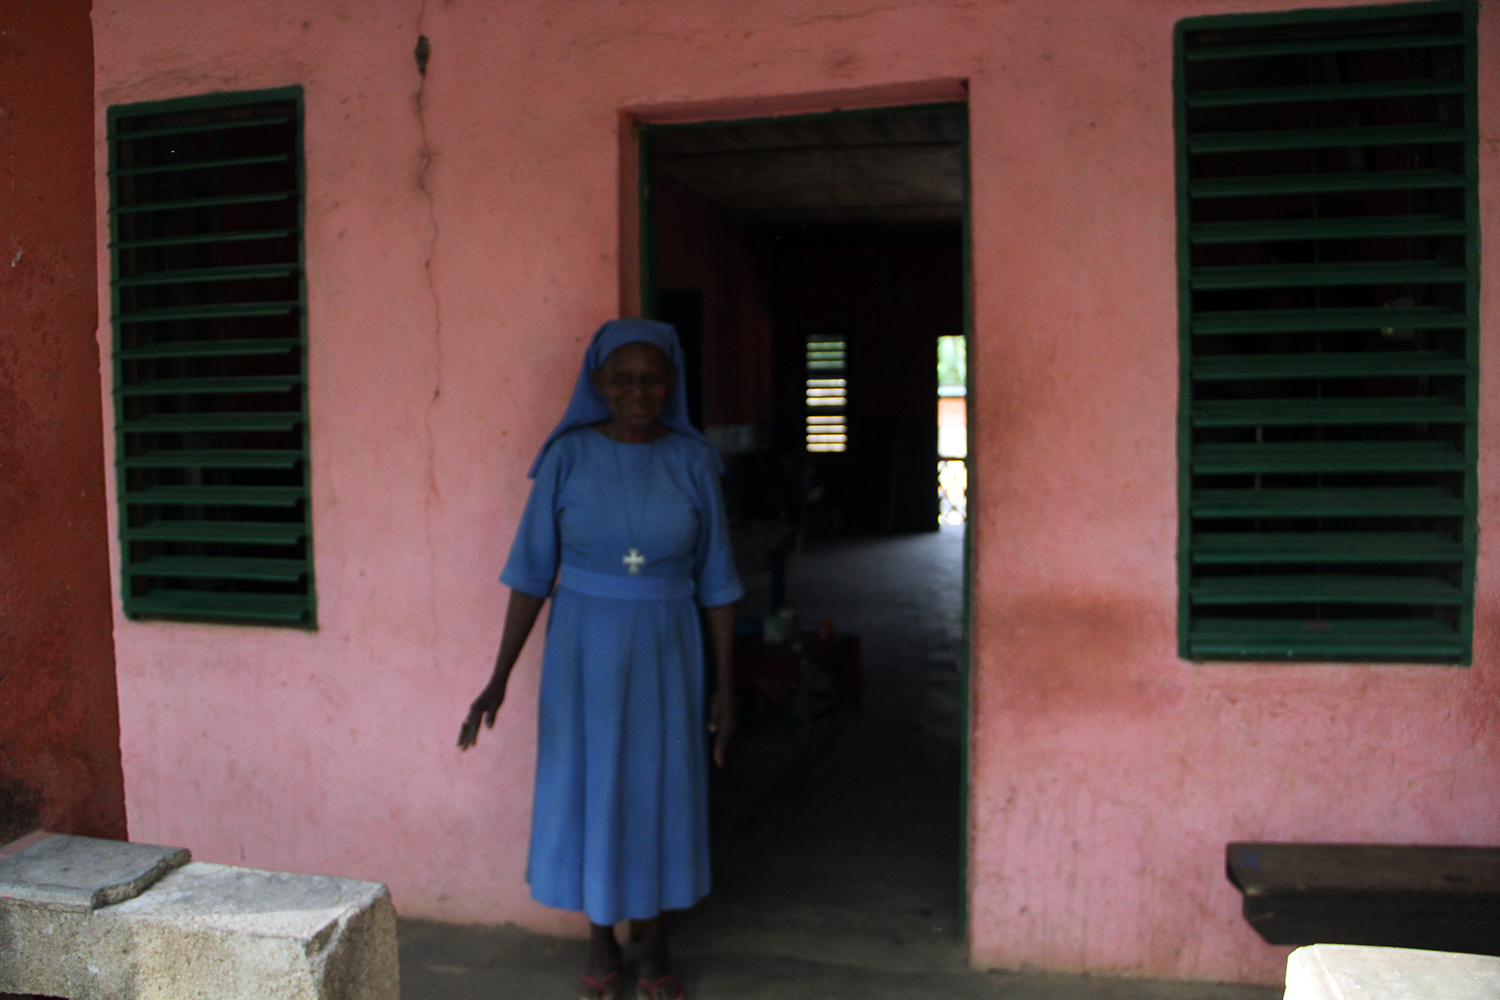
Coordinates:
column 604, row 988
column 668, row 987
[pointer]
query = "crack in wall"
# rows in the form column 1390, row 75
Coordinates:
column 423, row 182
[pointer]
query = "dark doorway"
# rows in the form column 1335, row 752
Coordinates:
column 683, row 308
column 812, row 264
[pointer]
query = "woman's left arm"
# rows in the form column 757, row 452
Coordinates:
column 721, row 712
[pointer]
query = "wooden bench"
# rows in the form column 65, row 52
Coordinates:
column 1400, row 896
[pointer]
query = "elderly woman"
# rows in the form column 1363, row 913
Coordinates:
column 625, row 530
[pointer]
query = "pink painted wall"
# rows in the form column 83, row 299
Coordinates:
column 464, row 236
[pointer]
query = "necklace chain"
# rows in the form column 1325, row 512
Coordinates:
column 633, row 559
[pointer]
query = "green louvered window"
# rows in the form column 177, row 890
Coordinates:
column 1328, row 291
column 210, row 358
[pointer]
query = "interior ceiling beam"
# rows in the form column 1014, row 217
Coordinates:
column 896, row 168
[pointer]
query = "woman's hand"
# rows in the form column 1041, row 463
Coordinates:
column 484, row 707
column 721, row 722
column 721, row 710
column 520, row 615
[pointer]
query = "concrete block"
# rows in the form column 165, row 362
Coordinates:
column 1358, row 972
column 84, row 873
column 208, row 930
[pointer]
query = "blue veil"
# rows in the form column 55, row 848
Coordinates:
column 587, row 407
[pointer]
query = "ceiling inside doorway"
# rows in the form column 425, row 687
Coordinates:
column 887, row 168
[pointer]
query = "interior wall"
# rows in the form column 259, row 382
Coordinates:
column 893, row 293
column 464, row 239
column 59, row 726
column 699, row 245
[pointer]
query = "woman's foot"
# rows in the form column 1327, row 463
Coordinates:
column 658, row 976
column 668, row 987
column 602, row 980
column 606, row 987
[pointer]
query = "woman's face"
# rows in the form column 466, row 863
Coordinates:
column 634, row 381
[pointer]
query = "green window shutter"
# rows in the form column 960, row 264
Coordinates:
column 210, row 359
column 1328, row 289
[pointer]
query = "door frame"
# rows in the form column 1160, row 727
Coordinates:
column 638, row 246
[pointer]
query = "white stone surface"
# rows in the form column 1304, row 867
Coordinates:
column 1356, row 972
column 210, row 931
column 84, row 873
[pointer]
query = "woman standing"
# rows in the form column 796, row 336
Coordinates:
column 626, row 519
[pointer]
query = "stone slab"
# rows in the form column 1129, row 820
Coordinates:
column 206, row 930
column 84, row 873
column 1359, row 972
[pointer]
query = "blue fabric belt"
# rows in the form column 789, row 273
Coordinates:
column 625, row 588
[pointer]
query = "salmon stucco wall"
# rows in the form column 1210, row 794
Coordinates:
column 59, row 729
column 464, row 235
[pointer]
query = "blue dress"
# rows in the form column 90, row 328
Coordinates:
column 619, row 822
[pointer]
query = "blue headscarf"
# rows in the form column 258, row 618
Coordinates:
column 587, row 407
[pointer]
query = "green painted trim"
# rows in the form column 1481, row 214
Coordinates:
column 199, row 102
column 971, row 490
column 1321, row 15
column 1184, row 345
column 1473, row 259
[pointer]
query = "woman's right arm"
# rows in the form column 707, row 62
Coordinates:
column 520, row 616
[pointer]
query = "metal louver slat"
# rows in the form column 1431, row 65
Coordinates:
column 230, row 385
column 1327, row 229
column 214, row 459
column 1372, row 180
column 1228, row 322
column 220, row 310
column 210, row 387
column 272, row 570
column 208, row 348
column 1414, row 501
column 1380, row 639
column 1318, row 46
column 1323, row 587
column 224, row 532
column 1328, row 412
column 201, row 274
column 1349, row 364
column 247, row 607
column 202, row 422
column 1229, row 547
column 1326, row 92
column 155, row 133
column 1327, row 456
column 197, row 166
column 1320, row 138
column 1305, row 275
column 229, row 496
column 222, row 201
column 230, row 236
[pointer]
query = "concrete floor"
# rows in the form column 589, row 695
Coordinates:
column 836, row 870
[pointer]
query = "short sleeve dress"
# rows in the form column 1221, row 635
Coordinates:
column 619, row 823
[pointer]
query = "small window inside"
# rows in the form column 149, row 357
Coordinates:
column 827, row 393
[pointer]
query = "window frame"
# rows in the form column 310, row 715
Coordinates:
column 1312, row 653
column 307, row 618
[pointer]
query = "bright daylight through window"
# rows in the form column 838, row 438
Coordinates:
column 953, row 431
column 827, row 393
